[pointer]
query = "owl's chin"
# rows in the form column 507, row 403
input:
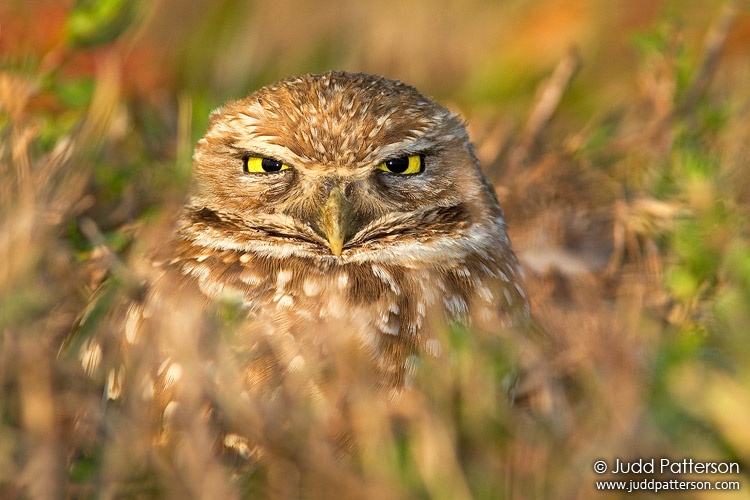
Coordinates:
column 393, row 237
column 410, row 253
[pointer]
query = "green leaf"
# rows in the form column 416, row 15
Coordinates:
column 75, row 93
column 96, row 22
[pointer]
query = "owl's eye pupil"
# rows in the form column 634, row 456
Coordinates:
column 258, row 164
column 270, row 165
column 398, row 165
column 404, row 165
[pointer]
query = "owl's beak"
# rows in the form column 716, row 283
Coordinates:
column 335, row 219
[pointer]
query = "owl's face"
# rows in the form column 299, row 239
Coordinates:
column 342, row 168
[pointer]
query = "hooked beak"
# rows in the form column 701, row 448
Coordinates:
column 335, row 220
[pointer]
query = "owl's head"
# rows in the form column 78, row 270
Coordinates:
column 343, row 167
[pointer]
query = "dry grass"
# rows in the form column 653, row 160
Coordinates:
column 627, row 195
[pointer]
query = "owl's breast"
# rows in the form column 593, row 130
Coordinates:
column 373, row 300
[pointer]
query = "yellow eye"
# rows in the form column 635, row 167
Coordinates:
column 257, row 164
column 404, row 165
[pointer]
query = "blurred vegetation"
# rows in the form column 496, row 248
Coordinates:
column 627, row 201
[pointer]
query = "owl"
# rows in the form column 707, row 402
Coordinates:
column 326, row 211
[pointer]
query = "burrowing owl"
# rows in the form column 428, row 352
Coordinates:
column 332, row 206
